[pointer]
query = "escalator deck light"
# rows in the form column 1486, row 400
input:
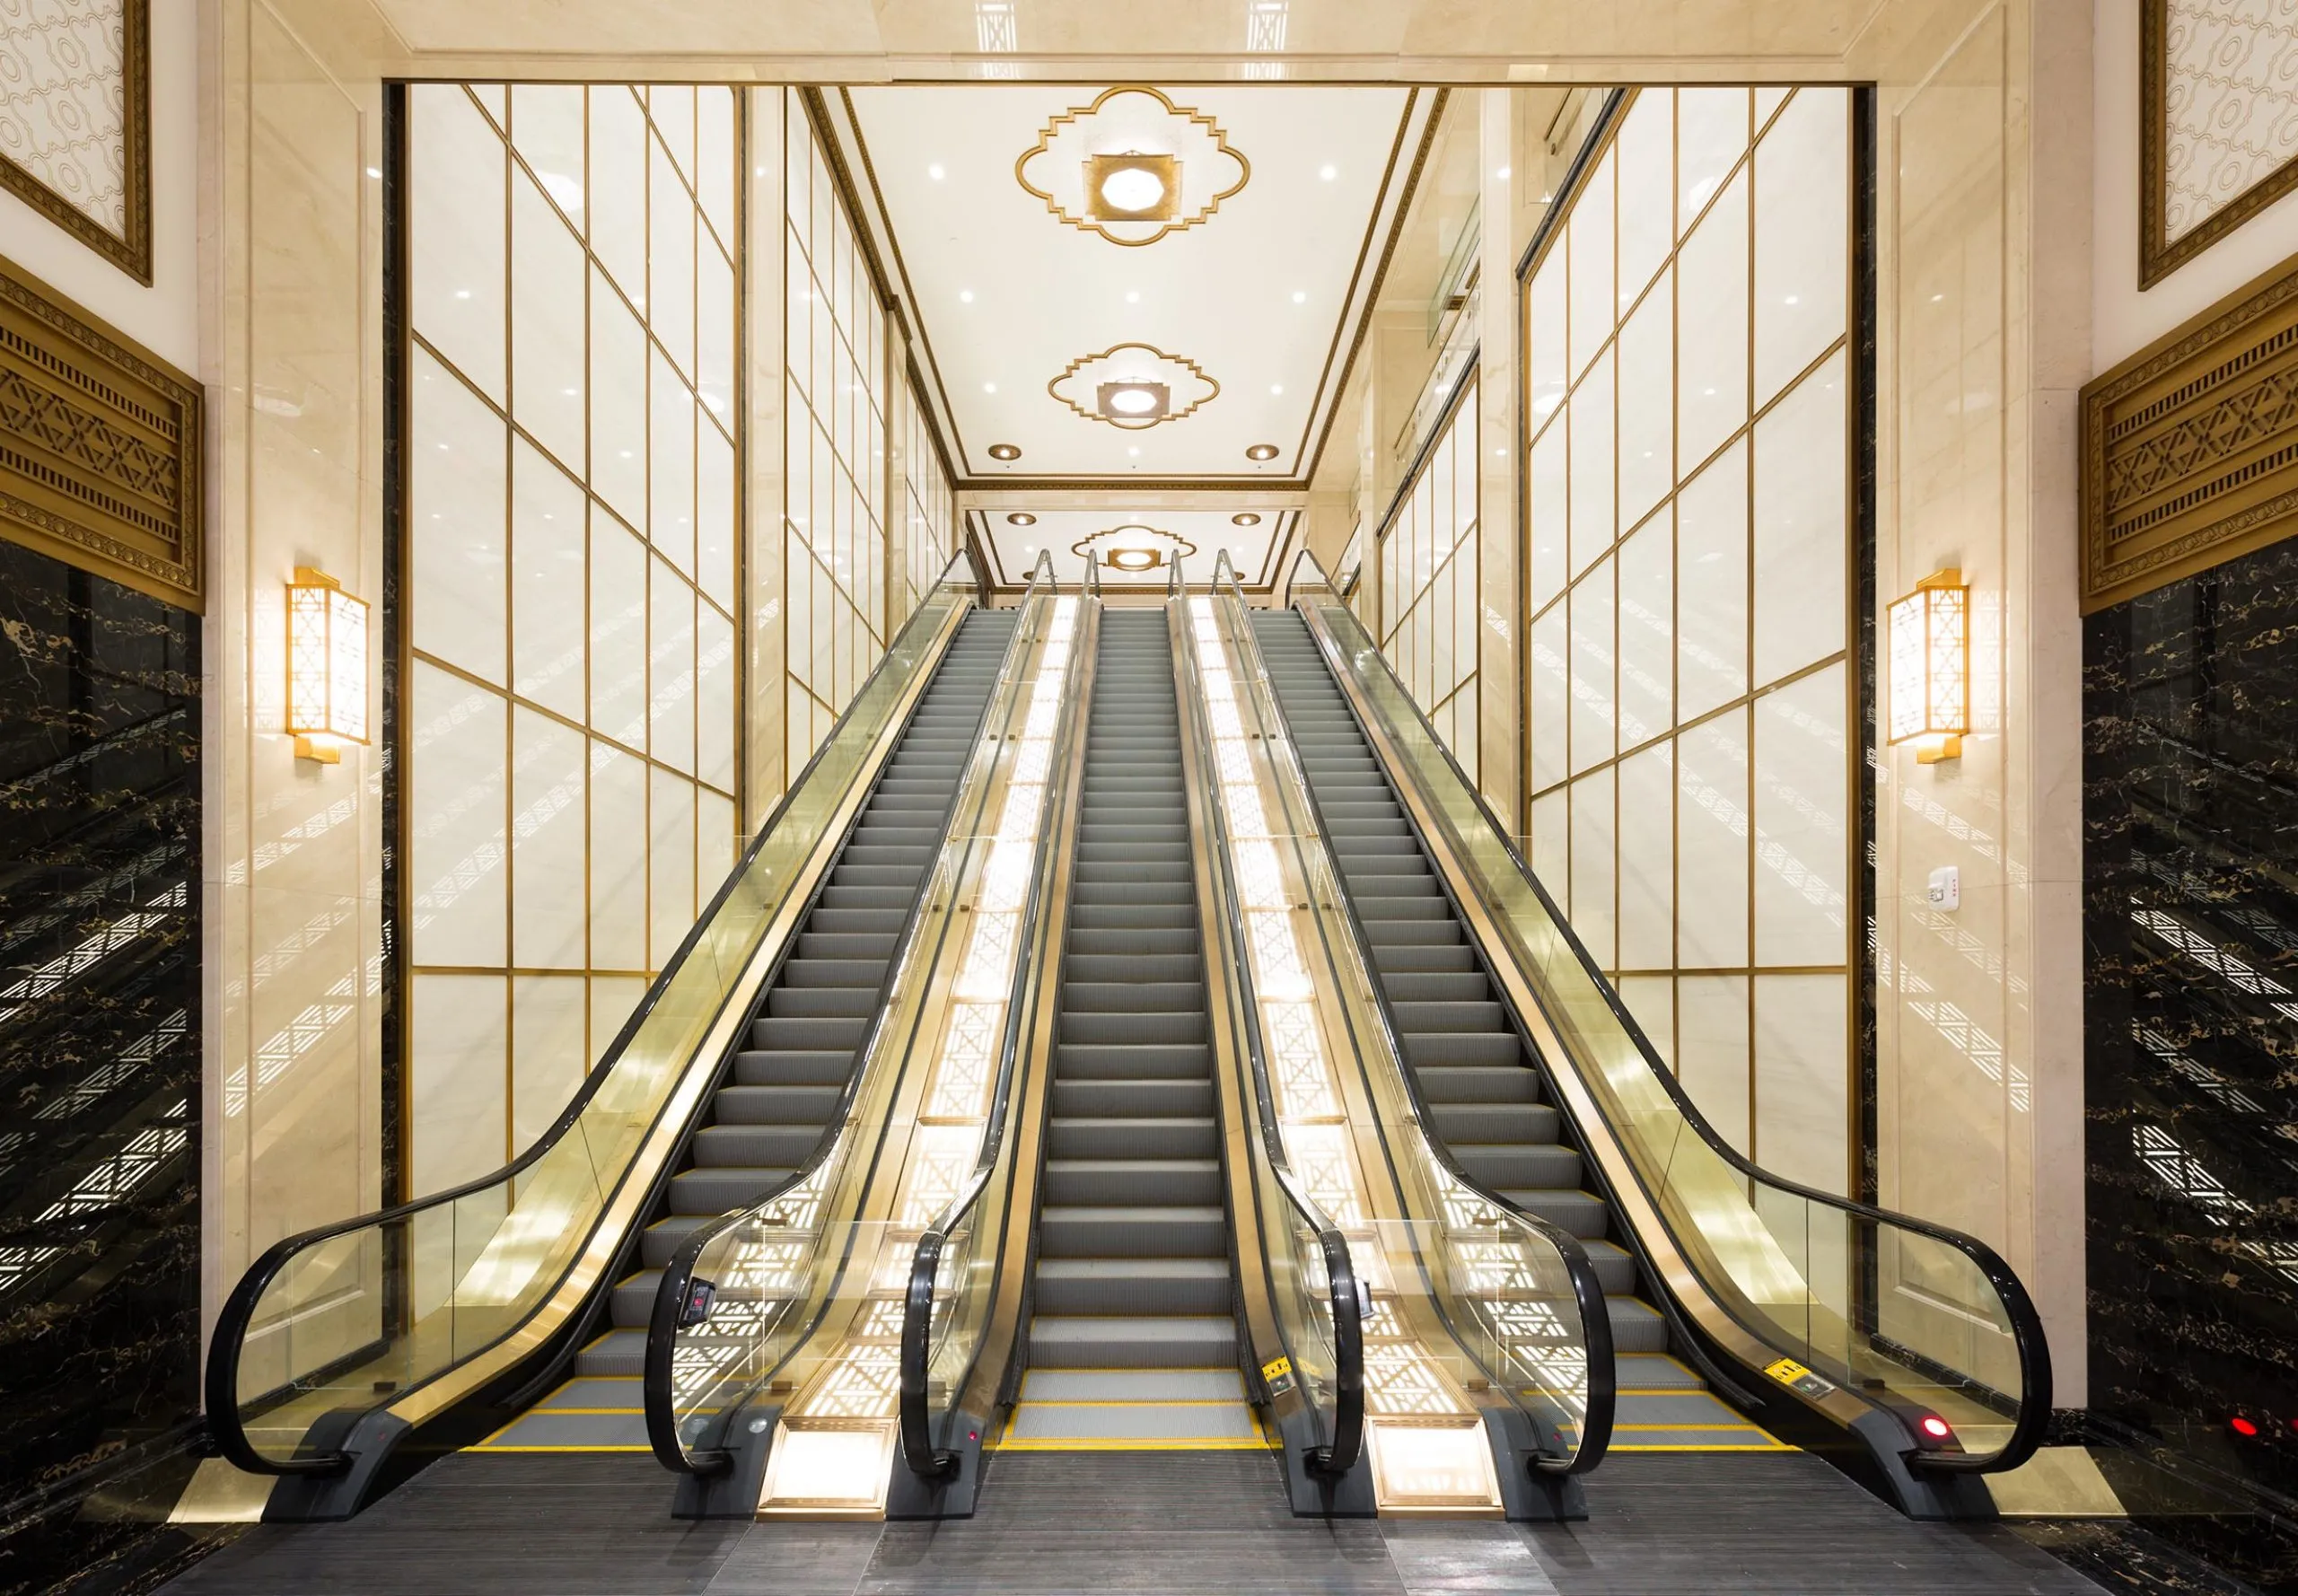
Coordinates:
column 1936, row 1427
column 2243, row 1426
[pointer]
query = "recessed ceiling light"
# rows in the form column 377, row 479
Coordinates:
column 1135, row 452
column 965, row 296
column 1261, row 451
column 1133, row 296
column 935, row 171
column 1329, row 171
column 1276, row 388
column 1300, row 297
column 1502, row 175
column 1244, row 518
column 1133, row 401
column 989, row 388
column 1132, row 187
column 1133, row 559
column 1005, row 452
column 1021, row 518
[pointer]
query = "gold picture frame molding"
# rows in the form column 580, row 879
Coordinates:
column 133, row 253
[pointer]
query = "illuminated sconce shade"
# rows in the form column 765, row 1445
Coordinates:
column 327, row 666
column 1931, row 667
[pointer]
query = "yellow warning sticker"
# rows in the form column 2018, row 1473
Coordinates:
column 1276, row 1368
column 1786, row 1371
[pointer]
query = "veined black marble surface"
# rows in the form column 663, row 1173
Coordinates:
column 98, row 1047
column 2190, row 798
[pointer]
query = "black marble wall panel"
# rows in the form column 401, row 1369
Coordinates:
column 2190, row 797
column 99, row 1018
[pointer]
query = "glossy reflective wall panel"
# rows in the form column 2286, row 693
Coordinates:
column 100, row 1021
column 2190, row 827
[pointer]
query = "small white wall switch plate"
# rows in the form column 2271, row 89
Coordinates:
column 1946, row 889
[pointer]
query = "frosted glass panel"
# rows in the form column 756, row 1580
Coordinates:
column 618, row 632
column 1647, row 373
column 618, row 188
column 1594, row 860
column 1712, row 1051
column 547, row 544
column 671, row 525
column 1712, row 843
column 1799, row 527
column 549, row 812
column 457, row 821
column 618, row 860
column 1803, row 778
column 548, row 1055
column 1548, row 373
column 617, row 406
column 1551, row 856
column 547, row 131
column 1648, row 642
column 671, row 107
column 669, row 680
column 547, row 322
column 714, row 843
column 1801, row 223
column 1712, row 339
column 1802, row 1091
column 1647, row 858
column 1712, row 586
column 459, row 502
column 1551, row 525
column 716, row 681
column 713, row 161
column 457, row 1087
column 1593, row 618
column 1711, row 136
column 670, row 853
column 1592, row 464
column 669, row 274
column 1646, row 154
column 1593, row 309
column 1551, row 698
column 456, row 171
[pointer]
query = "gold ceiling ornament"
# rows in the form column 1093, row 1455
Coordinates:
column 1132, row 166
column 1133, row 549
column 1134, row 387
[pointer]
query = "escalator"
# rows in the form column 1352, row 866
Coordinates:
column 1132, row 1340
column 785, row 1088
column 1484, row 1095
column 512, row 1313
column 1747, row 1311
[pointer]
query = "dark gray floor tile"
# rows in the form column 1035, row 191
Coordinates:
column 1438, row 1555
column 778, row 1558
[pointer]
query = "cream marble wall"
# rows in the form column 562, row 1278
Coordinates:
column 289, row 151
column 764, row 398
column 1982, row 339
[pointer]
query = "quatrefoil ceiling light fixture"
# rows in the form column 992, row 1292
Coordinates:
column 1132, row 166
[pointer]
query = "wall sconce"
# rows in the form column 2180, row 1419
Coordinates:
column 1931, row 667
column 327, row 666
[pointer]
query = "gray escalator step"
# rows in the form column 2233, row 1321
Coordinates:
column 1137, row 1182
column 1074, row 1137
column 1113, row 1287
column 777, row 1104
column 1487, row 1121
column 714, row 1190
column 1176, row 1098
column 1636, row 1326
column 1438, row 1049
column 754, row 1145
column 1162, row 1341
column 821, row 1002
column 793, row 1066
column 810, row 1032
column 1142, row 996
column 1503, row 1165
column 1110, row 1028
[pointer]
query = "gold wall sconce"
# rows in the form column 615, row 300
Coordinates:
column 1930, row 667
column 327, row 666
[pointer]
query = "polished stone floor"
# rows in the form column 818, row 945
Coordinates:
column 1153, row 1522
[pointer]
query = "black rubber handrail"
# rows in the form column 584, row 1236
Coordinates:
column 1587, row 1289
column 917, row 1449
column 2031, row 1417
column 671, row 1291
column 1337, row 1456
column 229, row 1340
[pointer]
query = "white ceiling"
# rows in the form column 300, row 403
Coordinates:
column 1254, row 550
column 1263, row 295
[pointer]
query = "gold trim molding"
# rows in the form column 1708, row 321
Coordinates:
column 2158, row 254
column 2190, row 446
column 131, row 252
column 99, row 446
column 1078, row 116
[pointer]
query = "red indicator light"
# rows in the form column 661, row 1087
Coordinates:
column 1935, row 1427
column 2243, row 1426
column 973, row 1434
